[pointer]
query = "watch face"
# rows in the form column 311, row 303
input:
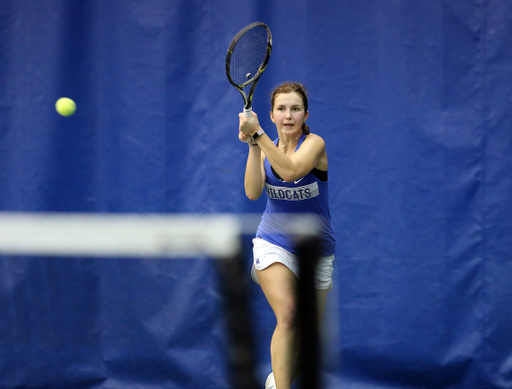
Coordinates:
column 260, row 132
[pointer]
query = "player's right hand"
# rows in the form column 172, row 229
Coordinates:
column 244, row 137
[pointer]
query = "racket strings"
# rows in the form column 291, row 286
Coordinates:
column 248, row 55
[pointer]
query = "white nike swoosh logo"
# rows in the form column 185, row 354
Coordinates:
column 299, row 180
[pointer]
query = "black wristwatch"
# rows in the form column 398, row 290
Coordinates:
column 259, row 133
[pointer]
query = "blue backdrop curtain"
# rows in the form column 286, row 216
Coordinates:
column 414, row 100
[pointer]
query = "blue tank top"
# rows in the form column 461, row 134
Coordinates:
column 307, row 195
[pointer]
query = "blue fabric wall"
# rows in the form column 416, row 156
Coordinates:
column 414, row 100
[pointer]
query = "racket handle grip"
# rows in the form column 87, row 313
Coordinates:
column 248, row 112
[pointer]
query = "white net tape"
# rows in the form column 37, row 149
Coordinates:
column 135, row 235
column 119, row 235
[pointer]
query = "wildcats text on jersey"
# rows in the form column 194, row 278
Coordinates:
column 292, row 194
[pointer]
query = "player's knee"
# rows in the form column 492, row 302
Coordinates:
column 288, row 317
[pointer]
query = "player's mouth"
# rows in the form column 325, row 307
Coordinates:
column 288, row 124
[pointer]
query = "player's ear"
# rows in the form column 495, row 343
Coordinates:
column 307, row 115
column 272, row 117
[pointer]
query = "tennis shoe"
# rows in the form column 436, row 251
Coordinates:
column 270, row 383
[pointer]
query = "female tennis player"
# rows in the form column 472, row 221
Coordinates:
column 293, row 171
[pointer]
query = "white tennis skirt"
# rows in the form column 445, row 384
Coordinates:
column 266, row 253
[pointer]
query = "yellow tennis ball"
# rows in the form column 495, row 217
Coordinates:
column 65, row 106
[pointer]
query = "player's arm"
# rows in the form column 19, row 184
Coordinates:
column 310, row 155
column 254, row 180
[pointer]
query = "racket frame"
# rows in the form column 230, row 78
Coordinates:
column 255, row 78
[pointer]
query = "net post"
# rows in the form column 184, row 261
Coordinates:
column 241, row 351
column 308, row 255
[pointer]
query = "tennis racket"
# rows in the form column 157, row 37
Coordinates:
column 247, row 58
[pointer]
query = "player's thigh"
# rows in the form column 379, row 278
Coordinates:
column 279, row 285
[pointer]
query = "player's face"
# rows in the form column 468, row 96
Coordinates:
column 288, row 113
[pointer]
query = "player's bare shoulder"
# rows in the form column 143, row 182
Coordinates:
column 315, row 140
column 317, row 146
